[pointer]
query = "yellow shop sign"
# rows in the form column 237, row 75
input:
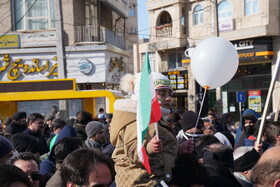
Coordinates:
column 9, row 41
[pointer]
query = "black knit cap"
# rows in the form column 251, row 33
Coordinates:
column 19, row 115
column 6, row 146
column 189, row 120
column 25, row 143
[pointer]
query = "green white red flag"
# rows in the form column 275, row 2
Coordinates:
column 148, row 110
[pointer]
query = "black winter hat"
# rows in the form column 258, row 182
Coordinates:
column 19, row 115
column 25, row 143
column 189, row 120
column 6, row 146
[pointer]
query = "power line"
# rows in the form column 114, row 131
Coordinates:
column 8, row 13
column 19, row 19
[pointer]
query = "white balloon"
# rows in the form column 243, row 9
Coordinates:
column 214, row 62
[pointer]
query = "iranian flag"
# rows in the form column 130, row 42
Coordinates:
column 148, row 110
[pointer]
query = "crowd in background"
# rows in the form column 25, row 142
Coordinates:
column 37, row 150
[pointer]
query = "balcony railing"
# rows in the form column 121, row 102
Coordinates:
column 164, row 30
column 88, row 34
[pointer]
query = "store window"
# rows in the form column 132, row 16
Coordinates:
column 198, row 15
column 34, row 14
column 174, row 60
column 251, row 7
column 179, row 79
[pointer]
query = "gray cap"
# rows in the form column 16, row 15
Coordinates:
column 92, row 128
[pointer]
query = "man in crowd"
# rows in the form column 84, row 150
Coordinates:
column 63, row 148
column 248, row 127
column 29, row 164
column 96, row 138
column 162, row 151
column 6, row 150
column 245, row 158
column 273, row 133
column 17, row 125
column 35, row 127
column 218, row 160
column 212, row 116
column 86, row 167
column 189, row 131
column 12, row 176
column 82, row 119
column 267, row 171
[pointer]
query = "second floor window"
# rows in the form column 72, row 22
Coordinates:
column 174, row 60
column 34, row 14
column 198, row 15
column 251, row 7
column 224, row 10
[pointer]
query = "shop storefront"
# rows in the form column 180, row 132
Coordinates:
column 179, row 82
column 28, row 57
column 252, row 77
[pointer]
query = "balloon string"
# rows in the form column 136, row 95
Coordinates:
column 205, row 90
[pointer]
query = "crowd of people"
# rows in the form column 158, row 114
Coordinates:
column 188, row 150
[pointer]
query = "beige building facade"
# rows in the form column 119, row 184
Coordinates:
column 97, row 35
column 251, row 25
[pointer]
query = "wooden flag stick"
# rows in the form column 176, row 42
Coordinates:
column 277, row 110
column 268, row 99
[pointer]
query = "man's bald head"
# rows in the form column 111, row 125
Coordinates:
column 267, row 171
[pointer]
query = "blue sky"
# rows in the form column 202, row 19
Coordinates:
column 143, row 20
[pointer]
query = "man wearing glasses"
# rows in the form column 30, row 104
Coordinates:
column 29, row 164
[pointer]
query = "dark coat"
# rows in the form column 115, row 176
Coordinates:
column 14, row 128
column 43, row 147
column 220, row 175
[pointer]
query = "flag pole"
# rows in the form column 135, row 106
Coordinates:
column 157, row 134
column 267, row 102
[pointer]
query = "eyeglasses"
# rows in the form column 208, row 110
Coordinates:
column 35, row 176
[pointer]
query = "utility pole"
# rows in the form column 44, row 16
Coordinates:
column 60, row 49
column 216, row 33
column 216, row 19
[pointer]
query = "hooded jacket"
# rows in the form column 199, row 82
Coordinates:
column 248, row 114
column 129, row 169
column 240, row 128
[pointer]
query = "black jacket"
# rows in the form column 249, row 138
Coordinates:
column 14, row 128
column 220, row 175
column 43, row 147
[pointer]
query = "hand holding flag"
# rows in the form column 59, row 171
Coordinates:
column 148, row 110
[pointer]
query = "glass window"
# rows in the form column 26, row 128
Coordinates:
column 34, row 15
column 152, row 58
column 251, row 7
column 133, row 30
column 224, row 10
column 174, row 60
column 131, row 12
column 198, row 15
